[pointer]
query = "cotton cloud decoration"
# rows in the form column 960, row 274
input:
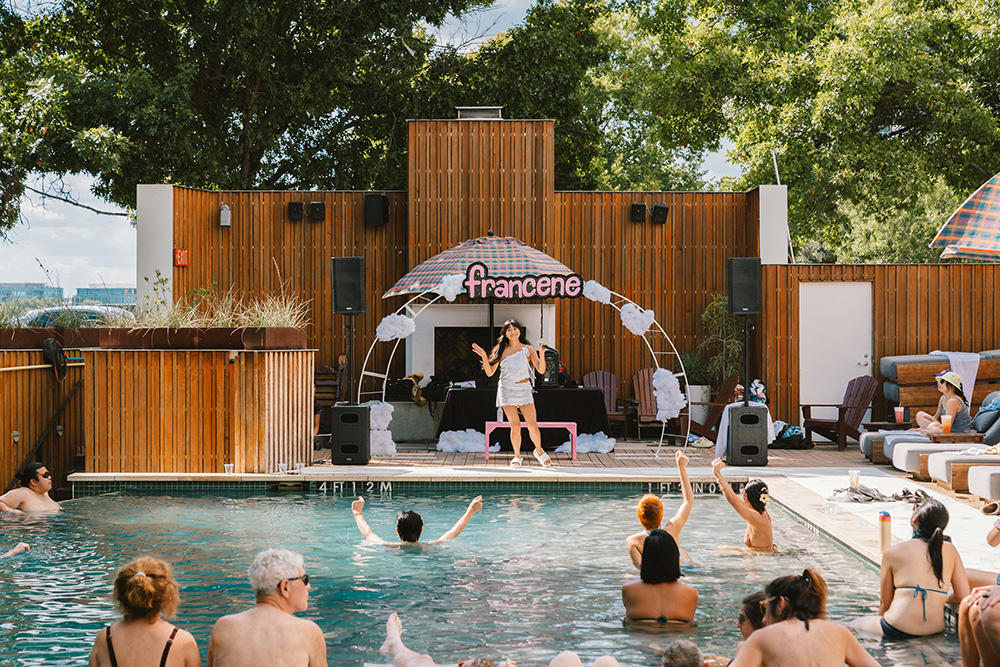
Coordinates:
column 594, row 291
column 382, row 444
column 669, row 399
column 469, row 440
column 394, row 326
column 637, row 320
column 380, row 414
column 587, row 443
column 451, row 286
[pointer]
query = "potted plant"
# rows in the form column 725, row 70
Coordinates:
column 699, row 388
column 724, row 339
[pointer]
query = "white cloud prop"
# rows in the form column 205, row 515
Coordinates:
column 589, row 442
column 380, row 414
column 394, row 326
column 637, row 320
column 451, row 286
column 469, row 440
column 382, row 444
column 669, row 399
column 595, row 291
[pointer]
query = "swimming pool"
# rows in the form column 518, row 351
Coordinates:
column 532, row 574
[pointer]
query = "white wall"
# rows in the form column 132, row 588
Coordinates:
column 154, row 215
column 773, row 224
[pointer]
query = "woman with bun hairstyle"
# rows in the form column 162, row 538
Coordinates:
column 796, row 632
column 144, row 590
column 751, row 504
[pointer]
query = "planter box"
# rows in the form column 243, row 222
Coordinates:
column 26, row 339
column 111, row 338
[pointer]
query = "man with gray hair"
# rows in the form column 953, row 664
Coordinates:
column 268, row 634
column 682, row 653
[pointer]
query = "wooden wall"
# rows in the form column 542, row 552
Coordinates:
column 191, row 411
column 917, row 308
column 28, row 401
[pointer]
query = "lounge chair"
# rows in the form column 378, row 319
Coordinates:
column 951, row 469
column 850, row 412
column 984, row 481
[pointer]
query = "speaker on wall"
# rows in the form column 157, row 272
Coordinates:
column 747, row 444
column 348, row 285
column 638, row 213
column 317, row 211
column 660, row 213
column 350, row 443
column 376, row 210
column 744, row 286
column 295, row 210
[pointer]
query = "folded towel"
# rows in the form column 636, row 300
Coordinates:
column 992, row 407
column 966, row 364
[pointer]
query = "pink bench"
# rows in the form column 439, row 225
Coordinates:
column 569, row 426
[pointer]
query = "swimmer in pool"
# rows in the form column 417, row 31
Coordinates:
column 33, row 494
column 20, row 548
column 409, row 525
column 751, row 504
column 657, row 595
column 650, row 512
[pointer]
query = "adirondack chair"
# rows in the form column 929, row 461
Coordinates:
column 850, row 412
column 607, row 382
column 645, row 401
column 723, row 397
column 331, row 385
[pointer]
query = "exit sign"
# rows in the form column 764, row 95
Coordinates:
column 181, row 256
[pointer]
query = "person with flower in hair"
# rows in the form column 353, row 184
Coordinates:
column 751, row 504
column 796, row 632
column 952, row 403
column 146, row 593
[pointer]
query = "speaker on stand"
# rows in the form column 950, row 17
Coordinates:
column 747, row 423
column 747, row 435
column 349, row 299
column 350, row 443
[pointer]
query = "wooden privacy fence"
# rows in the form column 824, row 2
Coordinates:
column 191, row 411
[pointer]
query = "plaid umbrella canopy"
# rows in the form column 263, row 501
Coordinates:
column 974, row 229
column 503, row 256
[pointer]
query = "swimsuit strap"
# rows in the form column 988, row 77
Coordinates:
column 166, row 649
column 917, row 536
column 922, row 592
column 111, row 649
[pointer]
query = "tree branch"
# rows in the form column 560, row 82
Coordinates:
column 67, row 200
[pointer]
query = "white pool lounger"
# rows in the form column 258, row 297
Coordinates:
column 950, row 469
column 984, row 481
column 906, row 455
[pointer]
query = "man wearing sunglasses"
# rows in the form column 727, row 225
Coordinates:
column 269, row 635
column 33, row 494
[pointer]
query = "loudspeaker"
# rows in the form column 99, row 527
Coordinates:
column 295, row 210
column 747, row 436
column 660, row 213
column 351, row 441
column 638, row 213
column 348, row 285
column 376, row 210
column 550, row 378
column 744, row 286
column 317, row 211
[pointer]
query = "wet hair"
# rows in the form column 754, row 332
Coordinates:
column 145, row 588
column 29, row 473
column 804, row 593
column 661, row 558
column 757, row 494
column 477, row 662
column 750, row 608
column 497, row 353
column 682, row 653
column 409, row 525
column 650, row 511
column 929, row 521
column 270, row 568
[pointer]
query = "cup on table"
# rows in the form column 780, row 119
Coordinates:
column 282, row 467
column 900, row 412
column 300, row 467
column 228, row 467
column 855, row 477
column 946, row 423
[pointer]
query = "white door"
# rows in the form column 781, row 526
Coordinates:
column 835, row 341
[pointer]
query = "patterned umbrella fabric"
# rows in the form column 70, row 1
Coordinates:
column 974, row 229
column 502, row 255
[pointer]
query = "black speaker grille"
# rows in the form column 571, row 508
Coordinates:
column 638, row 213
column 744, row 286
column 348, row 285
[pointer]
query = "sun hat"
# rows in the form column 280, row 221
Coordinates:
column 952, row 378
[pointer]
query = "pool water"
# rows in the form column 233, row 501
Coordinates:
column 532, row 574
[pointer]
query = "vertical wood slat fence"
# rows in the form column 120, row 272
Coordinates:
column 191, row 411
column 28, row 400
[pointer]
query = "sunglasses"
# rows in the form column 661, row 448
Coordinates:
column 304, row 578
column 763, row 604
column 46, row 474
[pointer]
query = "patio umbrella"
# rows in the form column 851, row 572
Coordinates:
column 502, row 255
column 974, row 229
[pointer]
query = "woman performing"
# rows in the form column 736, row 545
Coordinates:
column 796, row 633
column 515, row 359
column 144, row 589
column 650, row 512
column 657, row 595
column 952, row 403
column 751, row 505
column 915, row 579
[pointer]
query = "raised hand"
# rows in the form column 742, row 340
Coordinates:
column 358, row 505
column 476, row 504
column 681, row 458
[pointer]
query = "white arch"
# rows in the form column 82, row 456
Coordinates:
column 424, row 299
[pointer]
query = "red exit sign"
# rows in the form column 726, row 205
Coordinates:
column 181, row 256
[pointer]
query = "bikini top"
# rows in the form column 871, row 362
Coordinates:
column 921, row 591
column 163, row 658
column 515, row 367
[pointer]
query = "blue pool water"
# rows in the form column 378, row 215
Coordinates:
column 530, row 576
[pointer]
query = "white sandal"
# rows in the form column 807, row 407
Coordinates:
column 516, row 462
column 544, row 459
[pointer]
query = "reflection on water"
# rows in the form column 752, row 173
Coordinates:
column 530, row 576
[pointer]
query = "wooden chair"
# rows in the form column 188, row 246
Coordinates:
column 645, row 401
column 331, row 385
column 723, row 397
column 607, row 382
column 850, row 412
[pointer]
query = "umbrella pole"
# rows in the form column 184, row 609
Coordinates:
column 491, row 319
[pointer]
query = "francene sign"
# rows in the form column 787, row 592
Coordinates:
column 480, row 285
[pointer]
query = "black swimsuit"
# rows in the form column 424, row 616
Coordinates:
column 163, row 659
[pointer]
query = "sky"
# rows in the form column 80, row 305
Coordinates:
column 78, row 248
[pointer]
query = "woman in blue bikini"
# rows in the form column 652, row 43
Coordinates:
column 916, row 576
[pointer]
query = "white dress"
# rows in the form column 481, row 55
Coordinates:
column 513, row 370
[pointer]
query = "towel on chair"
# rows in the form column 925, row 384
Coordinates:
column 966, row 364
